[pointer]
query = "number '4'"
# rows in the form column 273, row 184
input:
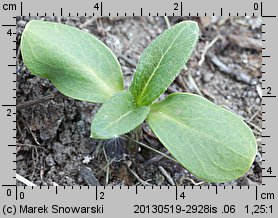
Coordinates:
column 269, row 170
column 96, row 6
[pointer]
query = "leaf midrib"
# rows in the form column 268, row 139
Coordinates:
column 166, row 116
column 85, row 67
column 120, row 118
column 158, row 65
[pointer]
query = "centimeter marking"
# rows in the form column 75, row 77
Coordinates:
column 177, row 192
column 178, row 6
column 267, row 95
column 135, row 189
column 12, row 107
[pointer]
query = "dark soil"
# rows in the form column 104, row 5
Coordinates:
column 53, row 143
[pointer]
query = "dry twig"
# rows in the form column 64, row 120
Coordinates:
column 87, row 23
column 144, row 183
column 240, row 76
column 193, row 84
column 207, row 47
column 23, row 180
column 167, row 22
column 166, row 175
column 246, row 42
column 193, row 182
column 36, row 101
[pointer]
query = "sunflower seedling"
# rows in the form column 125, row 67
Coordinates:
column 212, row 143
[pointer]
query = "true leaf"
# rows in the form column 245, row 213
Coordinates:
column 162, row 61
column 118, row 116
column 77, row 63
column 209, row 141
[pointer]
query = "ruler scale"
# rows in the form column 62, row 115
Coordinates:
column 149, row 201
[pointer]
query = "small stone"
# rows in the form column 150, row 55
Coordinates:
column 258, row 157
column 250, row 93
column 81, row 127
column 61, row 174
column 59, row 158
column 207, row 77
column 197, row 73
column 21, row 23
column 258, row 100
column 49, row 161
column 65, row 137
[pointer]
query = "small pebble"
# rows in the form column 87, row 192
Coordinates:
column 258, row 157
column 21, row 23
column 258, row 100
column 49, row 161
column 207, row 77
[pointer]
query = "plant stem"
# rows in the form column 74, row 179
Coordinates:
column 152, row 149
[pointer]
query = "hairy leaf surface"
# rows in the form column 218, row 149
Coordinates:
column 118, row 116
column 209, row 141
column 162, row 61
column 77, row 63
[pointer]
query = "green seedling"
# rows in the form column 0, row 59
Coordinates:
column 212, row 143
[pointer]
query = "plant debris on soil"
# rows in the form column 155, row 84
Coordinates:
column 53, row 131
